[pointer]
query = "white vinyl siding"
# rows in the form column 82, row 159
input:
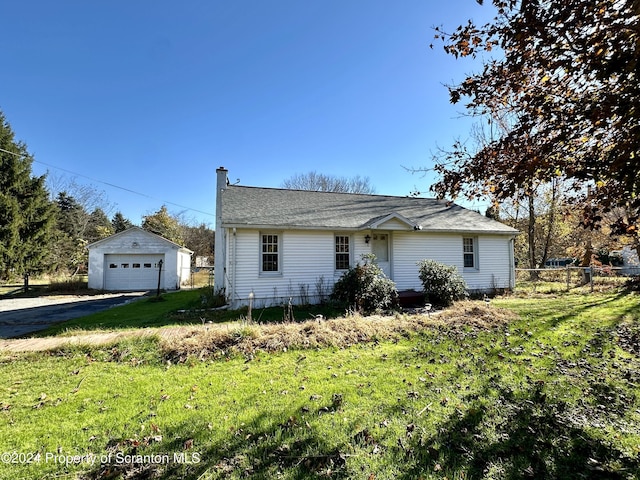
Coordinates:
column 393, row 225
column 411, row 247
column 492, row 254
column 307, row 266
column 308, row 256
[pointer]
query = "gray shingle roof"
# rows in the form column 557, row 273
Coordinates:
column 281, row 208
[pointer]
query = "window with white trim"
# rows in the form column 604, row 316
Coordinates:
column 469, row 252
column 343, row 254
column 270, row 252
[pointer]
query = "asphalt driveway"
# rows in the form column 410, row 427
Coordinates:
column 21, row 316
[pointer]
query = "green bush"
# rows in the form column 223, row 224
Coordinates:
column 211, row 299
column 442, row 283
column 366, row 288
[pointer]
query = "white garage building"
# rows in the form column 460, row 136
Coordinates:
column 133, row 260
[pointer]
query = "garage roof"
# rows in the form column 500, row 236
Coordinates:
column 139, row 230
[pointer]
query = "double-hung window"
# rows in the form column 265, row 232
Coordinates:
column 270, row 252
column 343, row 254
column 469, row 252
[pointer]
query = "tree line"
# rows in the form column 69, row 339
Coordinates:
column 45, row 229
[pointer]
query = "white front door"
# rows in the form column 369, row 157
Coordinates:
column 380, row 248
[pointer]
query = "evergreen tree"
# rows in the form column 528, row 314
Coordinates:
column 70, row 254
column 72, row 218
column 120, row 223
column 26, row 214
column 98, row 227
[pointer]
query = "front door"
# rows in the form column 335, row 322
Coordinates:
column 380, row 248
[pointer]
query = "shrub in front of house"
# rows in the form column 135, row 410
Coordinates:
column 442, row 283
column 366, row 288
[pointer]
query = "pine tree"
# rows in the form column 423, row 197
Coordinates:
column 70, row 254
column 120, row 222
column 98, row 227
column 72, row 217
column 26, row 213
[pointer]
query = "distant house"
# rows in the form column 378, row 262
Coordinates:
column 560, row 262
column 133, row 260
column 203, row 262
column 278, row 244
column 630, row 264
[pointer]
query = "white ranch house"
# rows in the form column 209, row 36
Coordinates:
column 278, row 244
column 130, row 261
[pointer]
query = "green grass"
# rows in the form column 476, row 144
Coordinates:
column 170, row 310
column 146, row 312
column 553, row 395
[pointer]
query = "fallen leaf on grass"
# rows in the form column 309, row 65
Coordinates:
column 364, row 437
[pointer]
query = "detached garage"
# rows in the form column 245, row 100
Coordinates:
column 133, row 260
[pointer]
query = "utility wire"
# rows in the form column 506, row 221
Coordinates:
column 110, row 184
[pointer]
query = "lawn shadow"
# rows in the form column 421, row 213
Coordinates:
column 578, row 307
column 259, row 449
column 549, row 319
column 534, row 438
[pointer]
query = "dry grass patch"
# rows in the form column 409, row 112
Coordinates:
column 476, row 314
column 214, row 340
column 221, row 340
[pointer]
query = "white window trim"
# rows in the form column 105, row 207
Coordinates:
column 277, row 272
column 476, row 265
column 350, row 238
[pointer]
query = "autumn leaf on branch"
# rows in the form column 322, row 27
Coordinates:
column 565, row 86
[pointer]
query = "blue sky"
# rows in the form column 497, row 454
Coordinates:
column 153, row 96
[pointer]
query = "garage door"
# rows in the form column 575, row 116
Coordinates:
column 132, row 272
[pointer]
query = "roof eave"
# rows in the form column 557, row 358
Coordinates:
column 255, row 226
column 265, row 226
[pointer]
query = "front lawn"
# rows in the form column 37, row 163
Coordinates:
column 553, row 394
column 184, row 307
column 147, row 312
